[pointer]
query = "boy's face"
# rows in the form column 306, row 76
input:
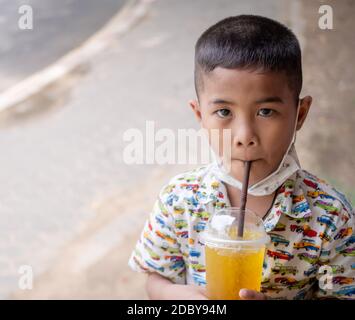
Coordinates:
column 258, row 108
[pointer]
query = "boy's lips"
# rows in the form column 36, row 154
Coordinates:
column 244, row 160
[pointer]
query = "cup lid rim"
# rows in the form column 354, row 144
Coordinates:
column 205, row 238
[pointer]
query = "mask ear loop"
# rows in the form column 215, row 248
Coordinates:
column 296, row 122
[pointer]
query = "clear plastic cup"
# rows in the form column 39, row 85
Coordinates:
column 233, row 263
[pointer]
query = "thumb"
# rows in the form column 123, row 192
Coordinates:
column 246, row 294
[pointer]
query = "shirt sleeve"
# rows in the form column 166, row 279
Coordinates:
column 336, row 276
column 158, row 249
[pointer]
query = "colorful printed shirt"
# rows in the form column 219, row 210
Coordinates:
column 310, row 225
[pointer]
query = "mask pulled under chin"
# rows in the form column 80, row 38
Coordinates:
column 288, row 166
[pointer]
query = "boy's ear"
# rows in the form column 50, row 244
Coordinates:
column 305, row 105
column 195, row 106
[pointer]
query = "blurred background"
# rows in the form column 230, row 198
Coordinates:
column 87, row 71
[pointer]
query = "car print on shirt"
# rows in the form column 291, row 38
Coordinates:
column 190, row 186
column 169, row 189
column 324, row 253
column 312, row 270
column 343, row 233
column 192, row 201
column 305, row 229
column 155, row 266
column 320, row 194
column 308, row 232
column 277, row 239
column 337, row 268
column 152, row 254
column 182, row 234
column 160, row 221
column 201, row 196
column 280, row 227
column 188, row 179
column 310, row 183
column 288, row 184
column 177, row 265
column 203, row 215
column 215, row 184
column 219, row 205
column 296, row 228
column 328, row 221
column 194, row 253
column 280, row 254
column 200, row 226
column 171, row 198
column 346, row 291
column 310, row 258
column 287, row 281
column 178, row 210
column 147, row 237
column 281, row 269
column 345, row 244
column 296, row 199
column 301, row 207
column 180, row 223
column 165, row 237
column 173, row 258
column 267, row 287
column 301, row 295
column 348, row 252
column 307, row 244
column 304, row 219
column 299, row 284
column 198, row 267
column 324, row 236
column 199, row 279
column 327, row 207
column 342, row 280
column 171, row 250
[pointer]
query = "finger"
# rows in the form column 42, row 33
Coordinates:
column 246, row 294
column 203, row 292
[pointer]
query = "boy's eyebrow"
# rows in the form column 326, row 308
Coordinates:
column 270, row 99
column 220, row 101
column 274, row 99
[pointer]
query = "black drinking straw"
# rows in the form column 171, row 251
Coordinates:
column 243, row 198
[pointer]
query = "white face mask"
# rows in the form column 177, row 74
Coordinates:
column 288, row 166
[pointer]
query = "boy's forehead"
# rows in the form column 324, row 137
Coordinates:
column 245, row 84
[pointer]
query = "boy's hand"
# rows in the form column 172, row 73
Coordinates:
column 247, row 294
column 160, row 288
column 192, row 292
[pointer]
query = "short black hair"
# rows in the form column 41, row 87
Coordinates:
column 249, row 42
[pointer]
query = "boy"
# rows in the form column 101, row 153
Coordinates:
column 248, row 78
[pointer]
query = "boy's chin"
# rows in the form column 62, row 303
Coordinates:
column 257, row 171
column 238, row 166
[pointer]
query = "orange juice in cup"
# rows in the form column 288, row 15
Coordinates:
column 233, row 263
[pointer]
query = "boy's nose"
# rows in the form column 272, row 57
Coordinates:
column 244, row 136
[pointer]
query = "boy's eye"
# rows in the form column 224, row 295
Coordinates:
column 265, row 112
column 223, row 113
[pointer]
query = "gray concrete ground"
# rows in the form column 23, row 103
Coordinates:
column 71, row 208
column 58, row 26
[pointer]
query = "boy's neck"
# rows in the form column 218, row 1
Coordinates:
column 260, row 205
